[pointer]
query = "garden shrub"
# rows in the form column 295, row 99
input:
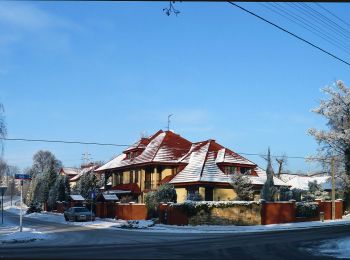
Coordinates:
column 306, row 209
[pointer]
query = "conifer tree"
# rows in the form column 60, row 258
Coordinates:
column 269, row 190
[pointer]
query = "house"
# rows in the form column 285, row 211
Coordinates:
column 166, row 157
column 301, row 181
column 70, row 172
column 74, row 174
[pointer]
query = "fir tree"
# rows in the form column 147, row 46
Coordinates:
column 269, row 190
column 242, row 186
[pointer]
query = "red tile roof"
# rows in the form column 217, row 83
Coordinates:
column 197, row 162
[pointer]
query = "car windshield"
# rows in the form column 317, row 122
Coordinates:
column 81, row 210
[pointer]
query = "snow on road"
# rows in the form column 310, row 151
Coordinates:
column 339, row 248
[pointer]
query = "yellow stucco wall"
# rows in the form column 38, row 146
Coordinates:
column 181, row 194
column 201, row 191
column 166, row 172
column 224, row 194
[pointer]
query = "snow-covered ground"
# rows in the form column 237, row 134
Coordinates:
column 11, row 234
column 58, row 218
column 240, row 229
column 339, row 248
column 148, row 225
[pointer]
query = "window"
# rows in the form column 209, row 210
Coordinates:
column 230, row 169
column 245, row 170
column 128, row 155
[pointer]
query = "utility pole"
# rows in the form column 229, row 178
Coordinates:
column 20, row 212
column 169, row 121
column 333, row 189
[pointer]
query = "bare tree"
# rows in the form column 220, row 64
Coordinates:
column 281, row 161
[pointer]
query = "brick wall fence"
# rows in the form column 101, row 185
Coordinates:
column 245, row 214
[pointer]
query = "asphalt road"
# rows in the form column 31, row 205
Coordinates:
column 74, row 242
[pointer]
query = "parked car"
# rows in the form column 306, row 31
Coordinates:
column 78, row 214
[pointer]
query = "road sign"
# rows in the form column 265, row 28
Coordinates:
column 93, row 195
column 22, row 176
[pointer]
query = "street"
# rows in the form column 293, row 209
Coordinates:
column 75, row 242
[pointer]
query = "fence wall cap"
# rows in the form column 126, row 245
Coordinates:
column 339, row 199
column 292, row 200
column 262, row 201
column 131, row 202
column 169, row 203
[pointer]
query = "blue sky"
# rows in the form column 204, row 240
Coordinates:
column 108, row 71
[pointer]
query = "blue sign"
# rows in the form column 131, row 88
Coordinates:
column 22, row 176
column 93, row 195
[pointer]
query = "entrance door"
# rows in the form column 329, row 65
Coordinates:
column 209, row 193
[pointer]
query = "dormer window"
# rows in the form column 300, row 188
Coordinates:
column 230, row 169
column 245, row 170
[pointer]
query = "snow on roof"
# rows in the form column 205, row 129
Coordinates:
column 202, row 160
column 117, row 192
column 162, row 147
column 262, row 175
column 82, row 172
column 110, row 197
column 302, row 181
column 77, row 197
column 227, row 156
column 203, row 166
column 194, row 167
column 70, row 170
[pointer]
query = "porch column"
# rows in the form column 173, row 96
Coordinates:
column 154, row 178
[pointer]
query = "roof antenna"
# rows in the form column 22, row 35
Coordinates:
column 169, row 121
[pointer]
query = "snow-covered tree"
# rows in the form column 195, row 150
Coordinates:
column 60, row 191
column 45, row 161
column 335, row 141
column 44, row 172
column 269, row 190
column 87, row 183
column 3, row 128
column 3, row 170
column 166, row 193
column 242, row 186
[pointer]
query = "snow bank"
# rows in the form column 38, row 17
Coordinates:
column 242, row 229
column 138, row 224
column 13, row 235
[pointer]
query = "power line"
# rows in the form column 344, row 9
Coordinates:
column 340, row 19
column 290, row 33
column 302, row 22
column 127, row 145
column 323, row 19
column 61, row 141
